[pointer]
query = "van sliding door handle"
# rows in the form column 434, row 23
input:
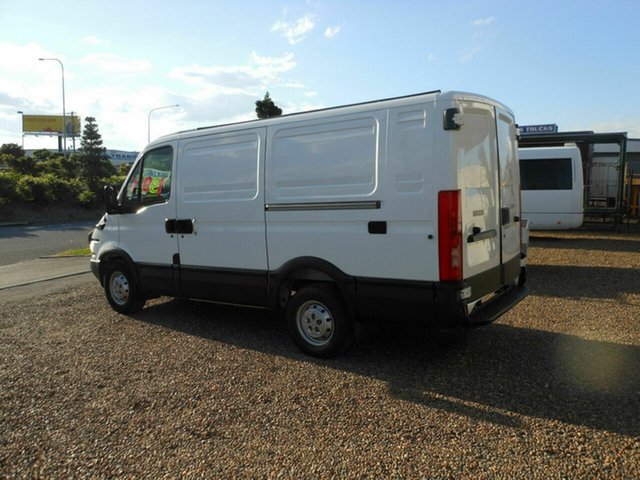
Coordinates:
column 185, row 226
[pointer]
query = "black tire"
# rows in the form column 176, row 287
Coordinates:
column 121, row 289
column 319, row 322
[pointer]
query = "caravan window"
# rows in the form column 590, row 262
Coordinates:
column 547, row 174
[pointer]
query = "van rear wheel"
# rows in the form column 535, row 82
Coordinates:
column 121, row 289
column 319, row 322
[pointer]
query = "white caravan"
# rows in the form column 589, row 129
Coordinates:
column 552, row 187
column 403, row 210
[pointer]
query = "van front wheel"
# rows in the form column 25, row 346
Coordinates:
column 121, row 289
column 319, row 322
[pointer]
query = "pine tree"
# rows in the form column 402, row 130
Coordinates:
column 265, row 108
column 92, row 159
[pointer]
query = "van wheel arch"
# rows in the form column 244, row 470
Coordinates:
column 117, row 256
column 302, row 272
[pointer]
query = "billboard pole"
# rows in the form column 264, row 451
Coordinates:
column 64, row 115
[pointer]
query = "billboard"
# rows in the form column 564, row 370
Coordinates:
column 50, row 124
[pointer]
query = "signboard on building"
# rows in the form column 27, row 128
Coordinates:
column 538, row 129
column 50, row 124
column 120, row 156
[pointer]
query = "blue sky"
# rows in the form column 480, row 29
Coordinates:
column 574, row 63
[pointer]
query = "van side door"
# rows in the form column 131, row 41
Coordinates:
column 220, row 218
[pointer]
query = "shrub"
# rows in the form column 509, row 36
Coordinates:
column 8, row 186
column 47, row 189
column 87, row 198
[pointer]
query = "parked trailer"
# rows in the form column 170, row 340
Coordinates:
column 552, row 187
column 403, row 210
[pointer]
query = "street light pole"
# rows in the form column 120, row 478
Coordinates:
column 149, row 119
column 64, row 114
column 21, row 113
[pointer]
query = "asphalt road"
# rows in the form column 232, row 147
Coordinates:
column 20, row 243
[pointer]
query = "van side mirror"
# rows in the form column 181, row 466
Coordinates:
column 110, row 199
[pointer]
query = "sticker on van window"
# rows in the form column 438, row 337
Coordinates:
column 155, row 182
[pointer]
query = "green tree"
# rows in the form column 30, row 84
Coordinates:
column 265, row 108
column 22, row 165
column 12, row 149
column 92, row 159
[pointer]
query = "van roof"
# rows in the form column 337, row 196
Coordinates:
column 435, row 94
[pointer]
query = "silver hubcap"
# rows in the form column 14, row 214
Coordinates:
column 119, row 288
column 315, row 323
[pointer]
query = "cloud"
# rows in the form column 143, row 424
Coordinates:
column 470, row 54
column 259, row 73
column 297, row 31
column 110, row 63
column 91, row 40
column 331, row 32
column 483, row 22
column 431, row 57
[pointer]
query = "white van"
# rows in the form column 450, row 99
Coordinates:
column 552, row 187
column 405, row 210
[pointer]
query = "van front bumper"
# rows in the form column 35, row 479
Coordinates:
column 95, row 268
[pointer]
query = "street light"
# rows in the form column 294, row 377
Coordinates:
column 21, row 113
column 64, row 114
column 149, row 119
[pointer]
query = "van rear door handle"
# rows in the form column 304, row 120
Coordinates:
column 477, row 235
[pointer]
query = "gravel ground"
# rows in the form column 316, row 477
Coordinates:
column 193, row 390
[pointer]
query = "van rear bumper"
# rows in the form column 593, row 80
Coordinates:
column 440, row 304
column 492, row 310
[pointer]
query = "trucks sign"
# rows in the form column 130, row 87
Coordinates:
column 538, row 129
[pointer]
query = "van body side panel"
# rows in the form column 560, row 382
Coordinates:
column 323, row 190
column 220, row 180
column 382, row 159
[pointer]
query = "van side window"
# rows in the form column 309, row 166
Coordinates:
column 150, row 181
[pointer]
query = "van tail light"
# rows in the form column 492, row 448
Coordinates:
column 450, row 235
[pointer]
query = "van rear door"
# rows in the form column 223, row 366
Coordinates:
column 475, row 146
column 509, row 195
column 485, row 147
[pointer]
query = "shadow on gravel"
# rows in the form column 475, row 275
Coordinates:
column 492, row 374
column 582, row 282
column 631, row 244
